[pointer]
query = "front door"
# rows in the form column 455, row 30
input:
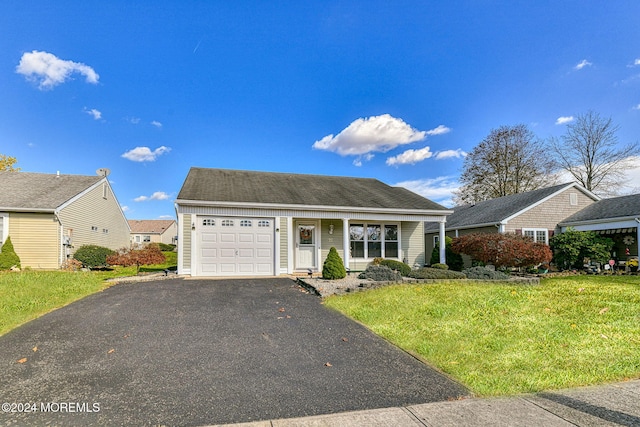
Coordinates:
column 306, row 245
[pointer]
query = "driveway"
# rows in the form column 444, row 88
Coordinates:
column 198, row 352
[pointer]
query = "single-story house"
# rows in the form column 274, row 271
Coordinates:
column 535, row 213
column 153, row 231
column 233, row 222
column 616, row 218
column 48, row 216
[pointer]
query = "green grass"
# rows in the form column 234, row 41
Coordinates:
column 29, row 294
column 507, row 339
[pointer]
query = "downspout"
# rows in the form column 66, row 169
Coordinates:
column 61, row 251
column 638, row 235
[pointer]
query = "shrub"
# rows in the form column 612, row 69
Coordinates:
column 440, row 266
column 71, row 264
column 399, row 266
column 164, row 247
column 380, row 273
column 571, row 247
column 92, row 255
column 333, row 267
column 8, row 256
column 483, row 273
column 454, row 260
column 150, row 254
column 502, row 250
column 435, row 273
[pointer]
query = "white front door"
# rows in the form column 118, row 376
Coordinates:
column 306, row 245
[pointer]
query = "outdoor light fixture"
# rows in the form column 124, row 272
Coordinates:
column 330, row 228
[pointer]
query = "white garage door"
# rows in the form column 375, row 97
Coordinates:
column 235, row 246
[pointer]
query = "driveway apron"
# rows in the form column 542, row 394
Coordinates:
column 198, row 352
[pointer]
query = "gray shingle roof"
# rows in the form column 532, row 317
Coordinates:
column 235, row 186
column 26, row 190
column 151, row 226
column 615, row 207
column 495, row 210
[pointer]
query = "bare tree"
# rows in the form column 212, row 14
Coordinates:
column 509, row 160
column 589, row 151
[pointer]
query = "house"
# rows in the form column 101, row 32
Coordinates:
column 616, row 218
column 153, row 231
column 535, row 213
column 233, row 222
column 48, row 216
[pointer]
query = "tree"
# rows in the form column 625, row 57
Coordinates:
column 509, row 160
column 7, row 162
column 589, row 151
column 572, row 247
column 454, row 260
column 8, row 256
column 150, row 254
column 333, row 267
column 502, row 250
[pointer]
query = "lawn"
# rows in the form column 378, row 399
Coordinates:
column 501, row 339
column 29, row 294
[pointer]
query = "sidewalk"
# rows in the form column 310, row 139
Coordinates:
column 610, row 405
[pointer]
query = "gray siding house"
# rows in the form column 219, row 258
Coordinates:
column 48, row 216
column 233, row 222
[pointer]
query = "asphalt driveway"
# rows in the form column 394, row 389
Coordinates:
column 198, row 352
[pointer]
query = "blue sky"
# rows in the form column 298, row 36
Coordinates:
column 395, row 90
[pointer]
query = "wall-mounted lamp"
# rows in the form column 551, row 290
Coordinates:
column 330, row 228
column 277, row 230
column 193, row 225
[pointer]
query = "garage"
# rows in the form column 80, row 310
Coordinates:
column 229, row 246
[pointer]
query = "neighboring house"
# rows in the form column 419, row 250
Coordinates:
column 616, row 218
column 233, row 223
column 153, row 231
column 535, row 213
column 49, row 216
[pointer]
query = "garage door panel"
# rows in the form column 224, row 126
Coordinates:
column 235, row 246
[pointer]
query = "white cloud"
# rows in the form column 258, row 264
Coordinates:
column 133, row 120
column 440, row 130
column 563, row 120
column 410, row 157
column 48, row 70
column 156, row 124
column 637, row 107
column 582, row 64
column 448, row 154
column 636, row 62
column 124, row 208
column 372, row 134
column 158, row 195
column 438, row 189
column 97, row 115
column 144, row 154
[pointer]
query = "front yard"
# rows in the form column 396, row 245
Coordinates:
column 501, row 339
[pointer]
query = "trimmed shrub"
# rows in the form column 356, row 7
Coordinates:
column 380, row 273
column 483, row 273
column 502, row 250
column 8, row 256
column 435, row 273
column 440, row 266
column 399, row 266
column 454, row 260
column 92, row 255
column 333, row 267
column 164, row 247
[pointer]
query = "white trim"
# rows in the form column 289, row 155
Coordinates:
column 346, row 243
column 317, row 243
column 276, row 246
column 5, row 227
column 290, row 245
column 251, row 205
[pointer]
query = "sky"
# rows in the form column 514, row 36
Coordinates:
column 399, row 90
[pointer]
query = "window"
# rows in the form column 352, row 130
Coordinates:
column 245, row 223
column 264, row 223
column 374, row 240
column 208, row 222
column 105, row 231
column 137, row 239
column 573, row 199
column 227, row 223
column 538, row 235
column 94, row 228
column 146, row 239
